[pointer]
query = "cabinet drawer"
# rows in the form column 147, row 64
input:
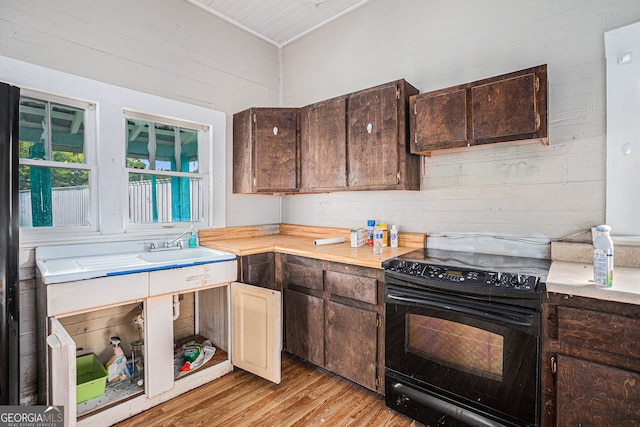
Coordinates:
column 599, row 331
column 358, row 288
column 304, row 276
column 192, row 278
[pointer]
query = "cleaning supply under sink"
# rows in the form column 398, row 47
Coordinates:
column 192, row 355
column 117, row 363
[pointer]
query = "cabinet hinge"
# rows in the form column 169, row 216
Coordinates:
column 398, row 176
column 554, row 365
column 536, row 84
column 415, row 109
column 378, row 381
column 415, row 139
column 254, row 118
column 378, row 322
column 397, row 92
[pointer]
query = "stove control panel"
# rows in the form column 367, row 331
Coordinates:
column 463, row 277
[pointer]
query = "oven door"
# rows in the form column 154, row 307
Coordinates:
column 475, row 353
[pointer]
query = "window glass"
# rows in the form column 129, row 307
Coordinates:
column 171, row 188
column 56, row 193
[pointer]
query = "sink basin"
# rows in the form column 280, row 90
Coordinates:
column 59, row 264
column 193, row 255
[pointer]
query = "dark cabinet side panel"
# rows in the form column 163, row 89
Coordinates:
column 304, row 326
column 590, row 394
column 242, row 152
column 258, row 270
column 351, row 343
column 323, row 146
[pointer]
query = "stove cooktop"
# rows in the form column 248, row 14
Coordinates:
column 470, row 269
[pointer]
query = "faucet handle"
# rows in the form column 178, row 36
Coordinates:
column 152, row 245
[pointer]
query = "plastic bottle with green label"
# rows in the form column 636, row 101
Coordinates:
column 603, row 257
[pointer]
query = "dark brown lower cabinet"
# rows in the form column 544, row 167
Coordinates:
column 591, row 362
column 304, row 330
column 258, row 270
column 333, row 317
column 351, row 349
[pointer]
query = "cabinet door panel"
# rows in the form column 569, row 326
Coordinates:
column 304, row 326
column 442, row 120
column 323, row 150
column 257, row 325
column 275, row 150
column 351, row 343
column 591, row 394
column 305, row 276
column 373, row 138
column 504, row 108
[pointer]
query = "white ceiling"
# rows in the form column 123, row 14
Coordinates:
column 278, row 21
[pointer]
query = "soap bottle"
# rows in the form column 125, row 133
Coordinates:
column 377, row 240
column 385, row 235
column 394, row 236
column 603, row 257
column 193, row 240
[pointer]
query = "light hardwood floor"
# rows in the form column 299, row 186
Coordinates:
column 307, row 396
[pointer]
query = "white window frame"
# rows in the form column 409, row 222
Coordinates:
column 204, row 142
column 90, row 165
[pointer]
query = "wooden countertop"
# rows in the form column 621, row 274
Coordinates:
column 298, row 240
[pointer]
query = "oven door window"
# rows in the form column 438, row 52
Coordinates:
column 467, row 351
column 458, row 346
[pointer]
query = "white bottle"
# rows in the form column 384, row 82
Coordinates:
column 603, row 257
column 377, row 240
column 394, row 236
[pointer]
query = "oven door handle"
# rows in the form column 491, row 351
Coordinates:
column 510, row 319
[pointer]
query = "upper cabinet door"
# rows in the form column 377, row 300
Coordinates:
column 443, row 120
column 373, row 135
column 323, row 146
column 265, row 150
column 256, row 322
column 505, row 108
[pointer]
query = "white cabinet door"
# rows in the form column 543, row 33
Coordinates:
column 158, row 362
column 256, row 324
column 63, row 370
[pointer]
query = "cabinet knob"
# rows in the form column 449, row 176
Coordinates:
column 369, row 128
column 275, row 130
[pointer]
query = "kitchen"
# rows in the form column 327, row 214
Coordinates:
column 519, row 190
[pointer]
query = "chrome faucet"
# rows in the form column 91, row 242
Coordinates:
column 178, row 241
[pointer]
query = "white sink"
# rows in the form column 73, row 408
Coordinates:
column 59, row 264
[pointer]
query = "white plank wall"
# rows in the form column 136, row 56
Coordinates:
column 522, row 189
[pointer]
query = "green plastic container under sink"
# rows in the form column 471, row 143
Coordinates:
column 91, row 377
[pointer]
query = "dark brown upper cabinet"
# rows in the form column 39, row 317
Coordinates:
column 378, row 155
column 265, row 150
column 323, row 146
column 509, row 107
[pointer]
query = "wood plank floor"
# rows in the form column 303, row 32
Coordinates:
column 307, row 396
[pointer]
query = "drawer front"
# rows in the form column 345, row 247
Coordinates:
column 94, row 293
column 304, row 276
column 354, row 287
column 196, row 277
column 599, row 331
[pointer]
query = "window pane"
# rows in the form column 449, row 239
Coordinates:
column 189, row 150
column 67, row 134
column 138, row 154
column 157, row 198
column 33, row 138
column 53, row 197
column 166, row 148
